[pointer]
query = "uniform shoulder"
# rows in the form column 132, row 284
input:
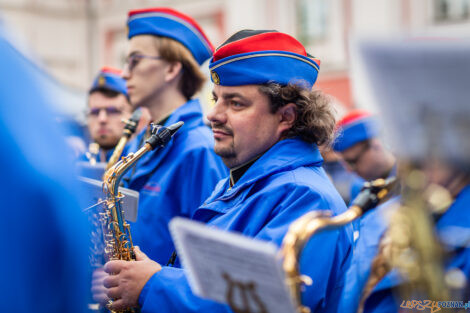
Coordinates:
column 310, row 182
column 196, row 138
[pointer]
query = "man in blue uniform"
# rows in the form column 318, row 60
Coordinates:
column 43, row 264
column 442, row 157
column 108, row 105
column 450, row 227
column 362, row 152
column 162, row 73
column 267, row 123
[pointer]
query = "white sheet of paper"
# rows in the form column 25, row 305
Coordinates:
column 423, row 91
column 208, row 254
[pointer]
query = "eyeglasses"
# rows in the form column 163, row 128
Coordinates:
column 352, row 162
column 133, row 60
column 111, row 111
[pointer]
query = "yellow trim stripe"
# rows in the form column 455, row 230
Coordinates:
column 266, row 55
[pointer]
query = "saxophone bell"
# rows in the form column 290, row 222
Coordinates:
column 372, row 194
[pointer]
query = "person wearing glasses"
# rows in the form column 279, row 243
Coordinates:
column 162, row 72
column 360, row 148
column 108, row 105
column 364, row 153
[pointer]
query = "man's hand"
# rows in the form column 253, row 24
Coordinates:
column 126, row 280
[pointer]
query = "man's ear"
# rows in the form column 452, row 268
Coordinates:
column 287, row 116
column 173, row 70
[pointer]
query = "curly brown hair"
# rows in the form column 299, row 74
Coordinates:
column 315, row 122
column 173, row 51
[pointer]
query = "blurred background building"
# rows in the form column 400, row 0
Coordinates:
column 72, row 39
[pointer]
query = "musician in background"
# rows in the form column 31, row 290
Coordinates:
column 438, row 156
column 44, row 258
column 363, row 152
column 162, row 73
column 108, row 105
column 267, row 125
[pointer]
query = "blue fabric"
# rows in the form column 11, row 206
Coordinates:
column 261, row 67
column 173, row 181
column 371, row 227
column 171, row 26
column 43, row 264
column 282, row 185
column 111, row 81
column 355, row 132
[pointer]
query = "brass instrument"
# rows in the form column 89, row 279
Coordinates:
column 116, row 231
column 372, row 194
column 129, row 129
column 410, row 244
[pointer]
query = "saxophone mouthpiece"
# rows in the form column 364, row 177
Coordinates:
column 131, row 123
column 161, row 135
column 175, row 127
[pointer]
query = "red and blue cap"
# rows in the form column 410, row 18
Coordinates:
column 170, row 23
column 263, row 56
column 354, row 127
column 109, row 78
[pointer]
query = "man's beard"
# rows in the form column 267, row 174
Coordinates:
column 106, row 144
column 226, row 153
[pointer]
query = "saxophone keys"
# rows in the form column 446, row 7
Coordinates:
column 306, row 280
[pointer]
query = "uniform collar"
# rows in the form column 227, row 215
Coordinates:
column 190, row 113
column 286, row 155
column 237, row 172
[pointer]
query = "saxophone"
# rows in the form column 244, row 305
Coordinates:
column 372, row 194
column 129, row 129
column 410, row 244
column 116, row 231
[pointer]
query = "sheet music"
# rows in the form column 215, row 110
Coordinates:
column 95, row 171
column 94, row 189
column 220, row 264
column 423, row 91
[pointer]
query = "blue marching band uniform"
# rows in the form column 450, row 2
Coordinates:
column 46, row 233
column 176, row 180
column 287, row 186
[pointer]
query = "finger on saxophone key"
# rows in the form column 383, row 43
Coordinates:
column 98, row 289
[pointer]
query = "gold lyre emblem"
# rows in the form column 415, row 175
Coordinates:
column 101, row 81
column 215, row 78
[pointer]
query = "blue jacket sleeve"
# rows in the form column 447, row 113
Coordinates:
column 169, row 291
